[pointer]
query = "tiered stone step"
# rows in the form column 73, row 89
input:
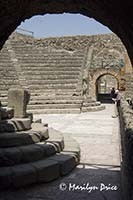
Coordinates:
column 50, row 72
column 42, row 161
column 55, row 104
column 92, row 106
column 62, row 93
column 3, row 97
column 8, row 75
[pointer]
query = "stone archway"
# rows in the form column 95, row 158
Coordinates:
column 101, row 72
column 104, row 85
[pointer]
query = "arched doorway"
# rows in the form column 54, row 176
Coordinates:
column 104, row 84
column 96, row 77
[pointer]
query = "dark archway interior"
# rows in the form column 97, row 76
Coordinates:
column 117, row 15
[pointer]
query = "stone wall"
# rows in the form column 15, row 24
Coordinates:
column 126, row 130
column 129, row 85
column 72, row 43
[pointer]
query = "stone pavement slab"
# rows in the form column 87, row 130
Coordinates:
column 96, row 132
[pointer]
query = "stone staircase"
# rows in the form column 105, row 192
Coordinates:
column 27, row 157
column 53, row 76
column 32, row 152
column 8, row 75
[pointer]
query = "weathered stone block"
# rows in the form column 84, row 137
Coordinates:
column 38, row 121
column 5, row 177
column 21, row 124
column 47, row 170
column 48, row 149
column 18, row 99
column 74, row 154
column 41, row 129
column 56, row 138
column 10, row 156
column 31, row 153
column 66, row 162
column 23, row 175
column 6, row 112
column 14, row 124
column 19, row 139
column 30, row 116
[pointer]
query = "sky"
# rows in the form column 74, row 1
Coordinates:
column 63, row 25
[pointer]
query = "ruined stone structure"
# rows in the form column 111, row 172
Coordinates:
column 117, row 15
column 31, row 152
column 61, row 73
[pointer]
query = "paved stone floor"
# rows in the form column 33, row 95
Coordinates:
column 98, row 175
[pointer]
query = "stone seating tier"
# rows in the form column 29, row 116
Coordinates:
column 43, row 71
column 8, row 75
column 57, row 71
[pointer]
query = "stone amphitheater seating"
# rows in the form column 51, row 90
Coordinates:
column 8, row 75
column 53, row 76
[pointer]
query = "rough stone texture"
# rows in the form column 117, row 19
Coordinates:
column 26, row 163
column 129, row 85
column 27, row 153
column 40, row 128
column 93, row 109
column 19, row 138
column 67, row 163
column 6, row 112
column 47, row 170
column 56, row 138
column 18, row 99
column 15, row 124
column 23, row 175
column 10, row 156
column 126, row 125
column 73, row 43
column 24, row 154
